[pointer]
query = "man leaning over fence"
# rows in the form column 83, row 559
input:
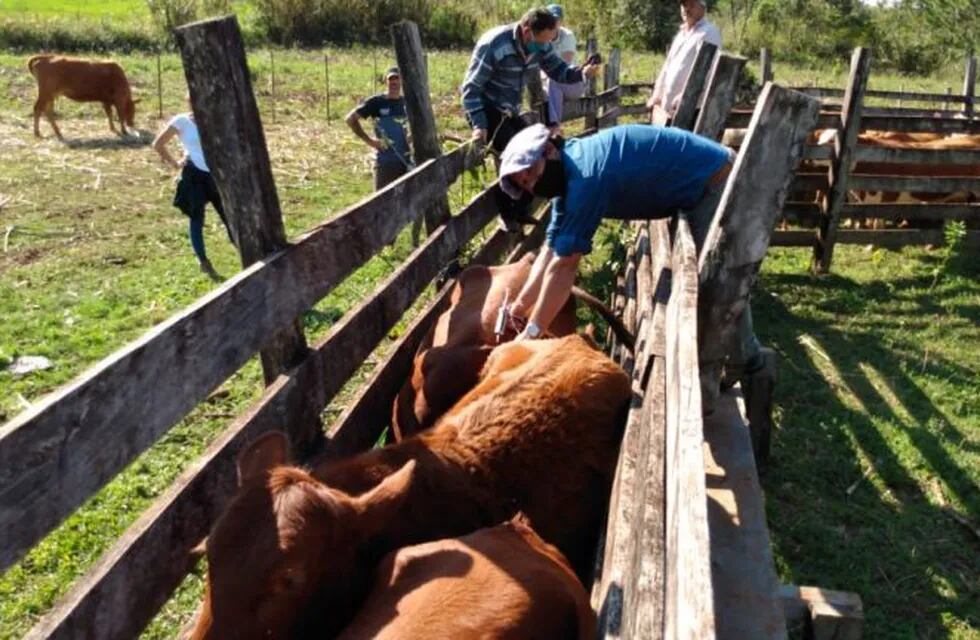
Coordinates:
column 392, row 159
column 632, row 172
column 494, row 82
column 695, row 28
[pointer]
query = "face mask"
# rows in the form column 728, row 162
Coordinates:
column 533, row 47
column 552, row 182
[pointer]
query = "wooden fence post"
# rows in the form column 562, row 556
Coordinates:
column 765, row 62
column 234, row 144
column 687, row 110
column 739, row 235
column 719, row 95
column 421, row 119
column 840, row 165
column 592, row 114
column 970, row 85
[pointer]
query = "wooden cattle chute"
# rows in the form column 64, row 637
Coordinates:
column 845, row 110
column 662, row 578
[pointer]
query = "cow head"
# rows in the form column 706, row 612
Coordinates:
column 284, row 554
column 129, row 111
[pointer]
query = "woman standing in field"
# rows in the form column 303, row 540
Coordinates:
column 195, row 187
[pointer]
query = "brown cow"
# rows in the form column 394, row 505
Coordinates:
column 82, row 81
column 539, row 433
column 448, row 361
column 496, row 583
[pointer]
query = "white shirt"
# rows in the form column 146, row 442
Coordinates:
column 680, row 58
column 565, row 43
column 190, row 139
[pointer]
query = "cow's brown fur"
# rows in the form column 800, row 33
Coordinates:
column 500, row 582
column 82, row 81
column 539, row 433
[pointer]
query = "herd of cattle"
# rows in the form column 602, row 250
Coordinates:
column 482, row 525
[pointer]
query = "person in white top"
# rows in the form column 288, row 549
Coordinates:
column 195, row 186
column 565, row 46
column 694, row 30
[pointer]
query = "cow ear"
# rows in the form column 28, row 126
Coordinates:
column 263, row 453
column 380, row 505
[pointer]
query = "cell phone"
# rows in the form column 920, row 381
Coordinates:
column 595, row 58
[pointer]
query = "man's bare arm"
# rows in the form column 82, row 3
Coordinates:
column 353, row 121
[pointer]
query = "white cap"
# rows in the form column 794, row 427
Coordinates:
column 523, row 150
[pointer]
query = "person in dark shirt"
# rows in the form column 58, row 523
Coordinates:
column 393, row 158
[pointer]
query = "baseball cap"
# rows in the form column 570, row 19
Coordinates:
column 523, row 150
column 556, row 10
column 392, row 72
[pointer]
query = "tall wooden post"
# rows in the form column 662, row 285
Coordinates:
column 739, row 235
column 592, row 115
column 970, row 86
column 610, row 81
column 765, row 64
column 687, row 109
column 234, row 144
column 840, row 166
column 719, row 95
column 421, row 119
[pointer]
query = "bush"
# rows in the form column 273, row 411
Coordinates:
column 448, row 27
column 65, row 35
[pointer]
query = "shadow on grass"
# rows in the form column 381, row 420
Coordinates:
column 882, row 532
column 142, row 138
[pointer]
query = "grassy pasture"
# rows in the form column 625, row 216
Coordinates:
column 879, row 377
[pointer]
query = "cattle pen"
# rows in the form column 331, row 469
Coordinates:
column 686, row 551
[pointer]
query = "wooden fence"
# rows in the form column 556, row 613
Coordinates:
column 830, row 172
column 660, row 575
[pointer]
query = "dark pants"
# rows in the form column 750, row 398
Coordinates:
column 195, row 190
column 501, row 127
column 388, row 172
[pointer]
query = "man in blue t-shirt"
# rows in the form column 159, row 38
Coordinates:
column 630, row 172
column 393, row 158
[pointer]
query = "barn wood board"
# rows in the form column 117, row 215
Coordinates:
column 904, row 237
column 746, row 589
column 919, row 123
column 719, row 95
column 807, row 214
column 66, row 447
column 689, row 602
column 329, row 365
column 740, row 119
column 913, row 183
column 809, row 182
column 913, row 211
column 753, row 198
column 694, row 86
column 870, row 153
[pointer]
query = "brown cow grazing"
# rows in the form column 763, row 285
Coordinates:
column 82, row 81
column 448, row 361
column 496, row 583
column 539, row 433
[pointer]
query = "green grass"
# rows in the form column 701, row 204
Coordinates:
column 103, row 8
column 98, row 255
column 879, row 434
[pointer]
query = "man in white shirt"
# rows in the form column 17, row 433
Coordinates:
column 565, row 46
column 694, row 30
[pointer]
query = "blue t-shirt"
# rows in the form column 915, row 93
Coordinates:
column 629, row 172
column 389, row 126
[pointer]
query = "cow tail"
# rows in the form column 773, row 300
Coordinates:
column 33, row 60
column 622, row 333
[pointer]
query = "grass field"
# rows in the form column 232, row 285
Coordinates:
column 879, row 377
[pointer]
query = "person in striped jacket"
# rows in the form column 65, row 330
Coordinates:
column 491, row 91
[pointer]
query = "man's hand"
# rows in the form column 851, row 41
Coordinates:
column 480, row 134
column 653, row 102
column 590, row 70
column 379, row 145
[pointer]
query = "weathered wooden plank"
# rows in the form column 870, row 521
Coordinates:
column 746, row 590
column 913, row 211
column 689, row 600
column 765, row 65
column 831, row 92
column 661, row 279
column 840, row 166
column 892, row 238
column 913, row 183
column 316, row 380
column 793, row 238
column 818, row 152
column 233, row 141
column 719, row 95
column 970, row 85
column 687, row 109
column 753, row 198
column 633, row 109
column 418, row 106
column 740, row 119
column 869, row 153
column 62, row 450
column 916, row 123
column 610, row 73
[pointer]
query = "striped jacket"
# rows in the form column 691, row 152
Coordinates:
column 495, row 76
